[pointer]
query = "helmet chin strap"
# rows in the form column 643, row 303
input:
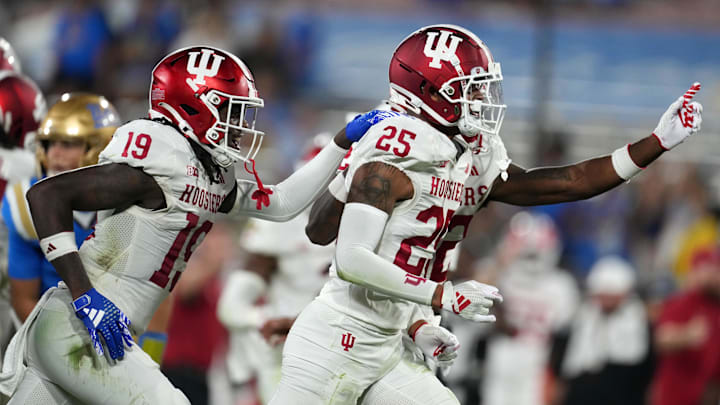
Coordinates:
column 262, row 194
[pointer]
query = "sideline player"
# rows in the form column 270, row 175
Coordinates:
column 160, row 184
column 540, row 301
column 71, row 135
column 412, row 214
column 284, row 271
column 22, row 106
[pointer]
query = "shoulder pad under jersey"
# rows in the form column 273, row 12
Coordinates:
column 159, row 149
column 404, row 142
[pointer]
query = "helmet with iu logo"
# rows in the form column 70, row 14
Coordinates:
column 210, row 95
column 22, row 107
column 8, row 57
column 447, row 74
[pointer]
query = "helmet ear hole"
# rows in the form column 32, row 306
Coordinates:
column 189, row 110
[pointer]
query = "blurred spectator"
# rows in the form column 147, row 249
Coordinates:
column 540, row 300
column 195, row 335
column 143, row 41
column 691, row 224
column 208, row 25
column 608, row 358
column 687, row 338
column 82, row 39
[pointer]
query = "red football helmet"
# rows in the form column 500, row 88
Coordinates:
column 447, row 74
column 8, row 57
column 22, row 107
column 210, row 95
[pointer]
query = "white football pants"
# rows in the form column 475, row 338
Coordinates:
column 317, row 369
column 64, row 368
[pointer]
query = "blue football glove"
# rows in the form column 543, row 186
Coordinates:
column 99, row 314
column 355, row 129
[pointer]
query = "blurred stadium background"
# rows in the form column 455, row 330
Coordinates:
column 582, row 77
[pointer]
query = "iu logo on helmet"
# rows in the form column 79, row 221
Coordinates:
column 443, row 51
column 204, row 68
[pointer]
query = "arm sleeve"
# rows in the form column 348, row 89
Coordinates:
column 294, row 194
column 236, row 309
column 361, row 229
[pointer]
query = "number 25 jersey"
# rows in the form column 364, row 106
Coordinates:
column 438, row 168
column 136, row 255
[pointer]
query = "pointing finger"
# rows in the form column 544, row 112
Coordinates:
column 691, row 93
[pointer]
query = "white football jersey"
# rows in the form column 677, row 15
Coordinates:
column 302, row 267
column 446, row 175
column 536, row 305
column 136, row 255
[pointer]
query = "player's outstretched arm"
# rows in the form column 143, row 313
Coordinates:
column 289, row 198
column 586, row 179
column 52, row 200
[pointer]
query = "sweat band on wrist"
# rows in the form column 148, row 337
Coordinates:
column 422, row 323
column 623, row 163
column 58, row 245
column 337, row 188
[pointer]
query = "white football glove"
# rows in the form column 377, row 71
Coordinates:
column 471, row 300
column 682, row 119
column 438, row 345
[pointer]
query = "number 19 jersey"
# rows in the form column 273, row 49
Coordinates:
column 136, row 255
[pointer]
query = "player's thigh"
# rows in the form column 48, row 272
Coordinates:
column 409, row 383
column 59, row 348
column 34, row 390
column 334, row 358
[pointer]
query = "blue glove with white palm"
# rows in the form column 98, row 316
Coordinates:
column 99, row 314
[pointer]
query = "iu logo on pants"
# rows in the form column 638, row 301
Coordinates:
column 348, row 341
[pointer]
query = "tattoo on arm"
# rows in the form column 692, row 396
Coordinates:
column 375, row 190
column 380, row 185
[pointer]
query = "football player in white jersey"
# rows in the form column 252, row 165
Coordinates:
column 159, row 183
column 404, row 214
column 22, row 107
column 285, row 271
column 540, row 300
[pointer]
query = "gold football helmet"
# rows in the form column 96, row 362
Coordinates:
column 84, row 116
